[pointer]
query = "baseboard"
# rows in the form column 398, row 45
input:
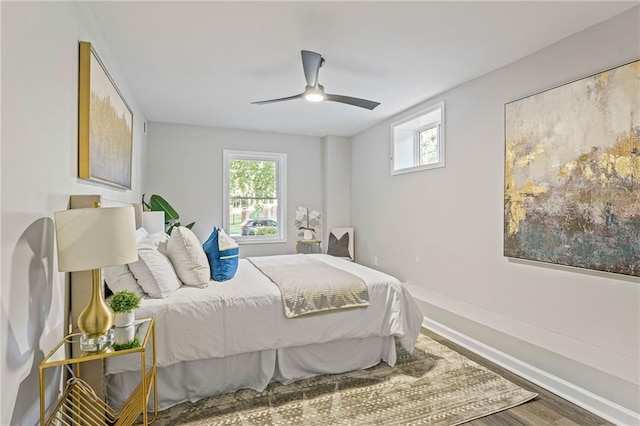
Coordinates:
column 589, row 401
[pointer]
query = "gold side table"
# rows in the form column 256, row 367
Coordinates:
column 80, row 406
column 309, row 246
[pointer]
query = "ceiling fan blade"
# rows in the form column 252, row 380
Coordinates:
column 270, row 101
column 311, row 63
column 362, row 103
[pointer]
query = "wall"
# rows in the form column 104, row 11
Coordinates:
column 185, row 167
column 337, row 183
column 441, row 230
column 38, row 173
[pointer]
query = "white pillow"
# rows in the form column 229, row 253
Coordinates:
column 154, row 273
column 120, row 278
column 141, row 234
column 157, row 240
column 188, row 257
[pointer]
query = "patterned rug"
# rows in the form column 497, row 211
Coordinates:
column 432, row 386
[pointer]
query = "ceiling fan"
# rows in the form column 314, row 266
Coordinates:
column 314, row 92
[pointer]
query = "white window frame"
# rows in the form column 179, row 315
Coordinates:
column 281, row 193
column 439, row 124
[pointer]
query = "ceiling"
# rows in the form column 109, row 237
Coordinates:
column 203, row 63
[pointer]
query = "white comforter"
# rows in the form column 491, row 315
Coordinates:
column 245, row 315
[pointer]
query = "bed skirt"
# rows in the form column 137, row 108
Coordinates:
column 194, row 380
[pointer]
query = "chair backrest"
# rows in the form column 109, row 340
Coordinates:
column 339, row 245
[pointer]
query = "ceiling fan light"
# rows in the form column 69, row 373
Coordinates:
column 314, row 91
column 314, row 97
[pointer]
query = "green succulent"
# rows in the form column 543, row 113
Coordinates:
column 124, row 301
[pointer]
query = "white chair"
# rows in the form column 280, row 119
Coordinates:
column 341, row 243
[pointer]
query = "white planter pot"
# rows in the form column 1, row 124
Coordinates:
column 124, row 319
column 124, row 335
column 308, row 234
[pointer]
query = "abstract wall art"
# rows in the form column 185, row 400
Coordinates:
column 105, row 125
column 572, row 174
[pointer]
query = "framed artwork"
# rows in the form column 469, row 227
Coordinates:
column 105, row 125
column 572, row 174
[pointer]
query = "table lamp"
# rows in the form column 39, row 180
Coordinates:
column 91, row 239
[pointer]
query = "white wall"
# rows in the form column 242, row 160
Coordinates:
column 185, row 167
column 337, row 183
column 441, row 230
column 39, row 169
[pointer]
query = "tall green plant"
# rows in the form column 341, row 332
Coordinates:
column 171, row 216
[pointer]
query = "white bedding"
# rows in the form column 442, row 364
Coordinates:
column 245, row 315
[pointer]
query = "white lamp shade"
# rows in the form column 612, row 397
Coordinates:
column 95, row 238
column 153, row 222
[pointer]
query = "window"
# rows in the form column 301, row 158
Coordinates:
column 255, row 196
column 417, row 142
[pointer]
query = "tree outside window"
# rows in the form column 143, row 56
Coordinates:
column 254, row 193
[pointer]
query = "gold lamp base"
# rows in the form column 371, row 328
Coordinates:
column 96, row 320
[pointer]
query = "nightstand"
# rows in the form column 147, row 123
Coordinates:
column 309, row 246
column 79, row 405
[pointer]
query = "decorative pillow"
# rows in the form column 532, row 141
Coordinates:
column 188, row 258
column 120, row 278
column 339, row 247
column 222, row 252
column 158, row 240
column 154, row 273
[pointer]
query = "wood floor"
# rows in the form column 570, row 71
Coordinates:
column 546, row 409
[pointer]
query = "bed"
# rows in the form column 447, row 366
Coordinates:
column 233, row 335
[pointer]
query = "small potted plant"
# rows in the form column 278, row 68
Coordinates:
column 123, row 304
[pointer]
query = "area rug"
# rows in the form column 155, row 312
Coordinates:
column 432, row 386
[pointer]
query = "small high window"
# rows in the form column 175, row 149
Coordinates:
column 255, row 196
column 417, row 142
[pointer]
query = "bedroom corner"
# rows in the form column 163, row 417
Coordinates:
column 38, row 174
